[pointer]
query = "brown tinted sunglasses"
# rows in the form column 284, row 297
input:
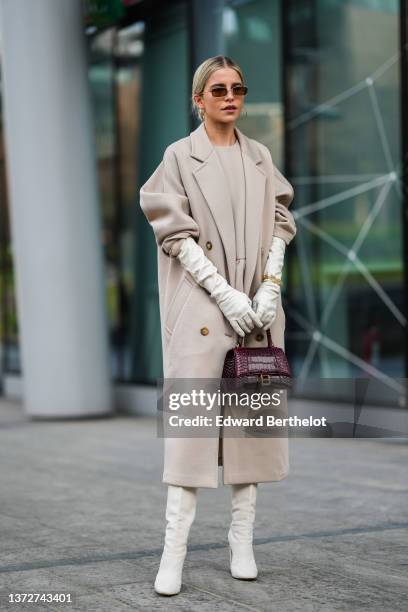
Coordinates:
column 221, row 92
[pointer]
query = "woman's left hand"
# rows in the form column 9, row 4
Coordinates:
column 265, row 302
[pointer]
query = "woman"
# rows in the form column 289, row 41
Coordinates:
column 219, row 211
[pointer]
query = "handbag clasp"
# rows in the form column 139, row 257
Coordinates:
column 264, row 379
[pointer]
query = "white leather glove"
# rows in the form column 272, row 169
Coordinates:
column 235, row 305
column 265, row 300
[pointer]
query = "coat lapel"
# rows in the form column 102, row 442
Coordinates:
column 211, row 180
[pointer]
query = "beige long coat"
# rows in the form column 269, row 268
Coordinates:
column 187, row 195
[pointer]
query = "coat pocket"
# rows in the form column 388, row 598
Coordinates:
column 177, row 304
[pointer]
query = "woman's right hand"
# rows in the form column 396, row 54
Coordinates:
column 236, row 306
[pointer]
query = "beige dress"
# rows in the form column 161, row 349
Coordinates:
column 231, row 160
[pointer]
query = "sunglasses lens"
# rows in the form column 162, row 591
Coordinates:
column 240, row 90
column 219, row 92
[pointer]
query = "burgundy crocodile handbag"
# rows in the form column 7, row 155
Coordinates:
column 267, row 365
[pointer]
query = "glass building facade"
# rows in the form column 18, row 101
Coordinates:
column 326, row 97
column 344, row 156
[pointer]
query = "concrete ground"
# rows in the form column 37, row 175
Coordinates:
column 82, row 512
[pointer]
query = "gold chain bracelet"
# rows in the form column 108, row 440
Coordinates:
column 274, row 279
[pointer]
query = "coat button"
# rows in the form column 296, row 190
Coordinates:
column 259, row 337
column 204, row 331
column 208, row 244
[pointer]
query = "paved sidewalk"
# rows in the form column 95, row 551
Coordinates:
column 82, row 511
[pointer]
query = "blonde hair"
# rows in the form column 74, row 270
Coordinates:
column 203, row 73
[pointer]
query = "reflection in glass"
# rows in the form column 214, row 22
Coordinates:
column 344, row 142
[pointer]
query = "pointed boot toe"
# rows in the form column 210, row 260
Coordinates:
column 242, row 562
column 169, row 577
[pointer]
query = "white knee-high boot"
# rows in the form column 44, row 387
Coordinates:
column 180, row 514
column 240, row 534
